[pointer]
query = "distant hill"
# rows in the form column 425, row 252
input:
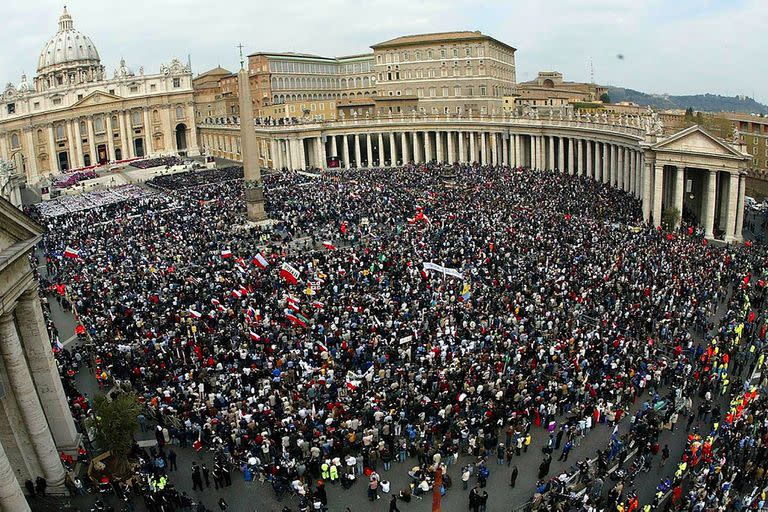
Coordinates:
column 703, row 102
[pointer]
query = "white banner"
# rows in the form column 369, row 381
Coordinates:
column 444, row 270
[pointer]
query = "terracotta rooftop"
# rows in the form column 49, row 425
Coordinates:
column 463, row 35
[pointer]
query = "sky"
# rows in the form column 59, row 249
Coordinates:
column 668, row 46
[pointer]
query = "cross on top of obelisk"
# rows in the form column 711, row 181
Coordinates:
column 242, row 60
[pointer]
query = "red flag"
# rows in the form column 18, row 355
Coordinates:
column 343, row 228
column 289, row 273
column 296, row 318
column 254, row 336
column 71, row 253
column 328, row 245
column 226, row 253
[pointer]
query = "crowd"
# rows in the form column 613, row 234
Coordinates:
column 162, row 161
column 88, row 200
column 323, row 349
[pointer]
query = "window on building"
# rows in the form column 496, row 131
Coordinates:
column 152, row 87
column 444, row 91
column 468, row 51
column 15, row 142
column 136, row 118
column 429, row 54
column 176, row 83
column 36, row 105
column 134, row 89
column 114, row 122
column 457, row 90
column 57, row 101
column 179, row 112
column 60, row 132
column 470, row 91
column 98, row 124
column 11, row 108
column 455, row 52
column 432, row 92
column 418, row 54
column 442, row 53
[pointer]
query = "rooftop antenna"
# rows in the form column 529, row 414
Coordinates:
column 242, row 60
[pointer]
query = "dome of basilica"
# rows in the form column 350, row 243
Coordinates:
column 67, row 46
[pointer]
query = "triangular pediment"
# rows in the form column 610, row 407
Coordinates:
column 15, row 227
column 696, row 140
column 97, row 98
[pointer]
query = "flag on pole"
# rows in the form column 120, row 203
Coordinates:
column 194, row 313
column 251, row 313
column 243, row 290
column 71, row 253
column 328, row 245
column 226, row 253
column 289, row 273
column 322, row 347
column 240, row 261
column 296, row 318
column 260, row 261
column 236, row 294
column 254, row 336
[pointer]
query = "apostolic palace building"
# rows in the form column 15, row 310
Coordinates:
column 74, row 115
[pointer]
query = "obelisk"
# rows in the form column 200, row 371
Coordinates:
column 254, row 191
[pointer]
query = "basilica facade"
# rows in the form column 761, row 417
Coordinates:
column 73, row 115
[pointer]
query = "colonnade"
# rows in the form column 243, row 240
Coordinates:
column 619, row 164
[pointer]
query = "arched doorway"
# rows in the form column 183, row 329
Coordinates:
column 181, row 138
column 19, row 162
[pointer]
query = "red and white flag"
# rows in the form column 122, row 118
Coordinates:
column 289, row 273
column 322, row 347
column 71, row 253
column 260, row 261
column 236, row 294
column 195, row 314
column 243, row 290
column 226, row 253
column 240, row 262
column 317, row 304
column 328, row 245
column 254, row 336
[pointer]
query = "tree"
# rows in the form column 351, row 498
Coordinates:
column 689, row 114
column 605, row 98
column 116, row 423
column 670, row 218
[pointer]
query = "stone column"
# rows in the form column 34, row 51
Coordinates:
column 551, row 163
column 590, row 163
column 11, row 496
column 612, row 165
column 504, row 150
column 33, row 172
column 604, row 162
column 37, row 347
column 532, row 148
column 110, row 138
column 74, row 161
column 512, row 151
column 620, row 167
column 439, row 146
column 462, row 154
column 542, row 156
column 31, row 410
column 738, row 236
column 129, row 150
column 732, row 206
column 358, row 154
column 518, row 150
column 334, row 147
column 416, row 147
column 404, row 147
column 580, row 157
column 381, row 150
column 392, row 150
column 483, row 149
column 369, row 149
column 708, row 204
column 658, row 193
column 451, row 155
column 92, row 140
column 319, row 160
column 323, row 154
column 302, row 153
column 493, row 148
column 427, row 148
column 79, row 158
column 345, row 149
column 679, row 198
column 149, row 146
column 570, row 156
column 630, row 172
